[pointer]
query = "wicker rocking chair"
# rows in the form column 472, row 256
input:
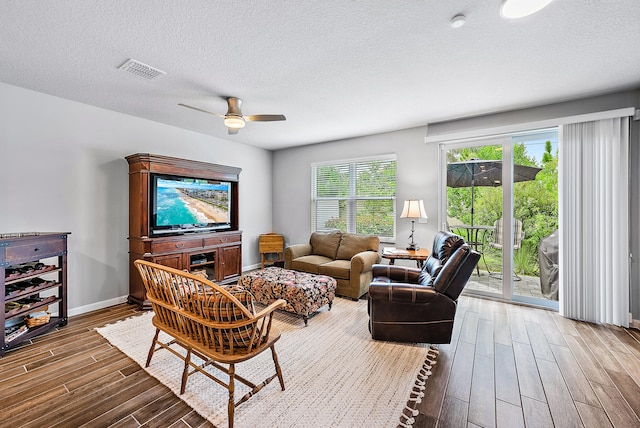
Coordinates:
column 209, row 321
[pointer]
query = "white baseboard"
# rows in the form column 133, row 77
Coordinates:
column 252, row 267
column 635, row 324
column 98, row 305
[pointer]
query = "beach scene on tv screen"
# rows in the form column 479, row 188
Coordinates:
column 180, row 202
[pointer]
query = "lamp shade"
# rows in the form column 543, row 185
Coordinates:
column 413, row 208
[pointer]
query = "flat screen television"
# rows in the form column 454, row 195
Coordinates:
column 186, row 204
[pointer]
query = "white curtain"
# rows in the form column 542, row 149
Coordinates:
column 594, row 221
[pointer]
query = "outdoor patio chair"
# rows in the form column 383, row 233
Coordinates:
column 497, row 241
column 214, row 323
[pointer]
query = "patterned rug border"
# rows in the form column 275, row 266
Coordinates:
column 414, row 379
column 410, row 411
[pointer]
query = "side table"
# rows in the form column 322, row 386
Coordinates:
column 271, row 243
column 418, row 255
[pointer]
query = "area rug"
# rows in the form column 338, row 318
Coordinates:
column 335, row 374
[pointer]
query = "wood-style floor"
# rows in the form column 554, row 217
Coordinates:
column 514, row 366
column 73, row 377
column 507, row 366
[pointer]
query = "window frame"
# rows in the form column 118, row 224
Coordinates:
column 351, row 200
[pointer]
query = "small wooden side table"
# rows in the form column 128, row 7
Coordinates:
column 271, row 243
column 418, row 255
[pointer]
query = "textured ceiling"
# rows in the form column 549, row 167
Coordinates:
column 336, row 69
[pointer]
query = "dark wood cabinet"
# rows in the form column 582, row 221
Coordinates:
column 218, row 253
column 230, row 262
column 33, row 281
column 170, row 260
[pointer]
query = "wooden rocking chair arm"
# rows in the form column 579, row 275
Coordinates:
column 280, row 303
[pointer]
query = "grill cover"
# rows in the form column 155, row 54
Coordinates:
column 548, row 259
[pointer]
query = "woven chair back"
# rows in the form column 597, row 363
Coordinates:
column 218, row 319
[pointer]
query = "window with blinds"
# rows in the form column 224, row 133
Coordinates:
column 355, row 196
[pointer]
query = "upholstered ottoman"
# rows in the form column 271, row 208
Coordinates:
column 305, row 293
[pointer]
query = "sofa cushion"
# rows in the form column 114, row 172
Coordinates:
column 352, row 244
column 325, row 244
column 339, row 269
column 309, row 263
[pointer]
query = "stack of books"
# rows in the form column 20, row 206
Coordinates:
column 394, row 251
column 13, row 332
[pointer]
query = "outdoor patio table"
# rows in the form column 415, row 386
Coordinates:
column 475, row 235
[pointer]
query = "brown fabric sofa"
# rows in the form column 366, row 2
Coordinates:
column 347, row 257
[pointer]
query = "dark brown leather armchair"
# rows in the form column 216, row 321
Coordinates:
column 412, row 305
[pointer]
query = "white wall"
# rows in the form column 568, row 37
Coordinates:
column 62, row 169
column 488, row 124
column 417, row 178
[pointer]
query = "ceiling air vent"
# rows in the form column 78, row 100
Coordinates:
column 140, row 69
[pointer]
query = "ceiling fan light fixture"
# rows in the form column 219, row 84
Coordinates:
column 514, row 9
column 234, row 122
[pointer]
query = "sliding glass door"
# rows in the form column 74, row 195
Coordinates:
column 473, row 202
column 536, row 249
column 501, row 196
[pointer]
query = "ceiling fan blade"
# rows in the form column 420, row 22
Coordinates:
column 234, row 114
column 199, row 109
column 265, row 117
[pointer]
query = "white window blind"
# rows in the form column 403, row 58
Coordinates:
column 594, row 218
column 355, row 196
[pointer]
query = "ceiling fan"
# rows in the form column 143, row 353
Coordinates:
column 234, row 119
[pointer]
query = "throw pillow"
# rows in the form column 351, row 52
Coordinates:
column 352, row 244
column 325, row 244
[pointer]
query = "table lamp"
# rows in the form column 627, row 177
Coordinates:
column 413, row 209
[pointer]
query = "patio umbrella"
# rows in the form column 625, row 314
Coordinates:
column 488, row 173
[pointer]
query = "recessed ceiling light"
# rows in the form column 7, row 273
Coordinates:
column 513, row 9
column 458, row 21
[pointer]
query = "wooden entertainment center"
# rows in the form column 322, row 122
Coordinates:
column 218, row 252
